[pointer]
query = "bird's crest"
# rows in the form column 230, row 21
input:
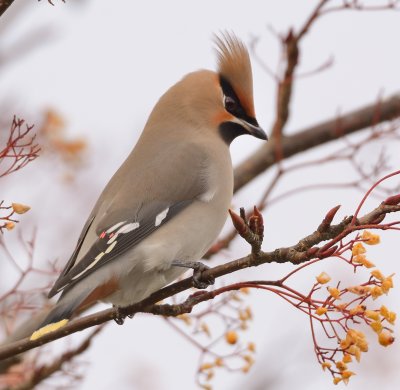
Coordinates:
column 234, row 67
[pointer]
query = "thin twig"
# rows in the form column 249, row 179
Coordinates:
column 302, row 252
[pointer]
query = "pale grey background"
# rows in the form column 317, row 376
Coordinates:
column 104, row 65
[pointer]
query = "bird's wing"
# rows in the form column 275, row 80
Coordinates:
column 134, row 214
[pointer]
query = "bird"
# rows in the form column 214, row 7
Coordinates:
column 167, row 203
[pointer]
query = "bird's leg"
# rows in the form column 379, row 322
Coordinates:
column 199, row 281
column 120, row 318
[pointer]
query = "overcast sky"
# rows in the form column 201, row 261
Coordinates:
column 103, row 65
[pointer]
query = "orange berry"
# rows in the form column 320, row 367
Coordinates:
column 231, row 337
column 385, row 338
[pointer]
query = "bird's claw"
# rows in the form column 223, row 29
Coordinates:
column 199, row 280
column 120, row 316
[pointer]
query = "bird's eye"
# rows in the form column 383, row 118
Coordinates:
column 230, row 104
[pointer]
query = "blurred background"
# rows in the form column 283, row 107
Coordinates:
column 87, row 74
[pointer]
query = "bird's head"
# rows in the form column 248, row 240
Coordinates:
column 236, row 87
column 220, row 102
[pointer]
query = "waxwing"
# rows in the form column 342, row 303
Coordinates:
column 167, row 203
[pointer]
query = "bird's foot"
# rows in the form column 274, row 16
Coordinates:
column 199, row 280
column 120, row 317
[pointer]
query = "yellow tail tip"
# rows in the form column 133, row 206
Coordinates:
column 47, row 329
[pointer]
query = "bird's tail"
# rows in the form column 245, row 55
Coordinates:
column 22, row 331
column 32, row 326
column 47, row 320
column 59, row 315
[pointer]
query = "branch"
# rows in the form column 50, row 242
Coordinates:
column 4, row 4
column 20, row 148
column 27, row 44
column 303, row 251
column 51, row 1
column 265, row 157
column 292, row 52
column 43, row 372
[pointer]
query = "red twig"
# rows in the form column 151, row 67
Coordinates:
column 20, row 149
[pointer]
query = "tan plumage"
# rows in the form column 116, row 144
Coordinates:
column 169, row 199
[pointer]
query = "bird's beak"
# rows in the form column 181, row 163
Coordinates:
column 254, row 129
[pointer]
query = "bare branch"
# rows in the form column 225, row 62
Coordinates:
column 291, row 49
column 305, row 250
column 4, row 4
column 43, row 372
column 25, row 45
column 51, row 1
column 360, row 119
column 20, row 149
